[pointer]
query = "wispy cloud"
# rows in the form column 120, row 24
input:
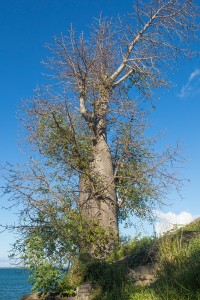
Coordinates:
column 192, row 86
column 166, row 221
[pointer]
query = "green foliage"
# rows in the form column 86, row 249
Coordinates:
column 141, row 252
column 108, row 279
column 106, row 275
column 44, row 274
column 142, row 293
column 61, row 142
column 179, row 264
column 137, row 248
column 53, row 244
column 178, row 261
column 134, row 157
column 193, row 226
column 66, row 287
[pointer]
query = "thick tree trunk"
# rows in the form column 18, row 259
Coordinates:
column 97, row 191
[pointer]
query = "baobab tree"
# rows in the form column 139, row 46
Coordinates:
column 93, row 162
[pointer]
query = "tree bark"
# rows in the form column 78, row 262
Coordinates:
column 98, row 199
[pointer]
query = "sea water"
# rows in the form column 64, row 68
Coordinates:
column 13, row 283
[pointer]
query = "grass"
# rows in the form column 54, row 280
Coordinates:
column 178, row 263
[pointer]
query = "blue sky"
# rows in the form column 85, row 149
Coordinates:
column 25, row 26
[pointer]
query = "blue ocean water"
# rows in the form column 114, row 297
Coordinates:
column 13, row 283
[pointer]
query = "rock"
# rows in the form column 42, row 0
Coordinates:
column 83, row 292
column 148, row 269
column 33, row 296
column 143, row 275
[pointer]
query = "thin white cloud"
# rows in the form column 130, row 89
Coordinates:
column 166, row 221
column 192, row 87
column 194, row 74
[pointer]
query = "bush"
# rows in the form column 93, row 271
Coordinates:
column 44, row 274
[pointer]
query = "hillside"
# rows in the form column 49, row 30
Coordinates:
column 167, row 268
